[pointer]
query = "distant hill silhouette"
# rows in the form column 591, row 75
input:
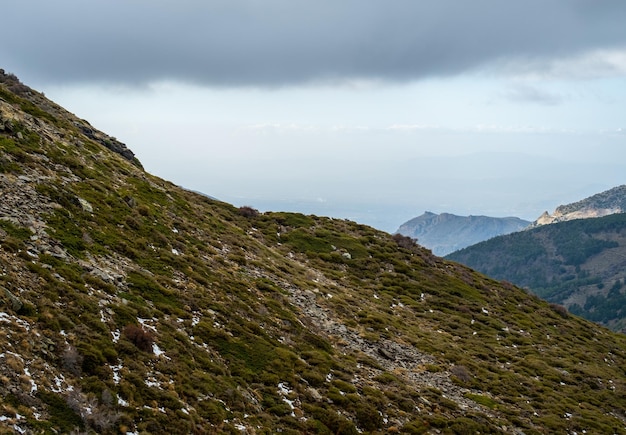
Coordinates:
column 445, row 233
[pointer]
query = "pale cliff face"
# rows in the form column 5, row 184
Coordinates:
column 587, row 213
column 602, row 204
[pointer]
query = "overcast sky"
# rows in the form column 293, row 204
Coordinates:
column 370, row 110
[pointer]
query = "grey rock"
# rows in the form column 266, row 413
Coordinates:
column 16, row 303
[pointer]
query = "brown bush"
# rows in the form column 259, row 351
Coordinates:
column 141, row 338
column 404, row 241
column 247, row 211
column 559, row 309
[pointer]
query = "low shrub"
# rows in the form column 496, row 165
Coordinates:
column 141, row 338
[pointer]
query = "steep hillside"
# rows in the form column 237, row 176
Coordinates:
column 130, row 305
column 602, row 204
column 445, row 233
column 580, row 264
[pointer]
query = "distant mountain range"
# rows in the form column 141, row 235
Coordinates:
column 445, row 233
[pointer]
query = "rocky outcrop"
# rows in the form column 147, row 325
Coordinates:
column 602, row 204
column 39, row 103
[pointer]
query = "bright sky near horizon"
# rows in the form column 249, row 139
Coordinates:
column 374, row 111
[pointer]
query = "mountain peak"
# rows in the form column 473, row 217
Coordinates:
column 445, row 233
column 605, row 203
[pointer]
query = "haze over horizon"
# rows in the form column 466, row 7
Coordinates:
column 370, row 111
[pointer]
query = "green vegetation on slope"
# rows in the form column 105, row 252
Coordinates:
column 132, row 305
column 577, row 263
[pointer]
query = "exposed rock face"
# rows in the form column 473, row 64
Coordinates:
column 38, row 100
column 602, row 204
column 445, row 233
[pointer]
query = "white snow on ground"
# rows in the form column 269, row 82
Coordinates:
column 122, row 402
column 116, row 373
column 284, row 390
column 144, row 323
column 33, row 387
column 4, row 317
column 157, row 350
column 58, row 380
column 152, row 382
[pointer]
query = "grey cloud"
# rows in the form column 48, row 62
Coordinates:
column 525, row 93
column 283, row 42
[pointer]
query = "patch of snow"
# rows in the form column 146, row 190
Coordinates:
column 152, row 382
column 283, row 388
column 33, row 385
column 175, row 230
column 116, row 335
column 175, row 251
column 4, row 317
column 58, row 382
column 157, row 350
column 143, row 323
column 122, row 401
column 485, row 311
column 195, row 320
column 116, row 373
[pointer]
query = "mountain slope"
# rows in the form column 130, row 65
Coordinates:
column 601, row 204
column 580, row 264
column 131, row 305
column 445, row 233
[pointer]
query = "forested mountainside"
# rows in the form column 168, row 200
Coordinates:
column 580, row 264
column 445, row 233
column 131, row 305
column 601, row 204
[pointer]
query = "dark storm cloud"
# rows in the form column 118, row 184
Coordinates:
column 281, row 42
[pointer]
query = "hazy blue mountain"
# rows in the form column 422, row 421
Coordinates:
column 445, row 233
